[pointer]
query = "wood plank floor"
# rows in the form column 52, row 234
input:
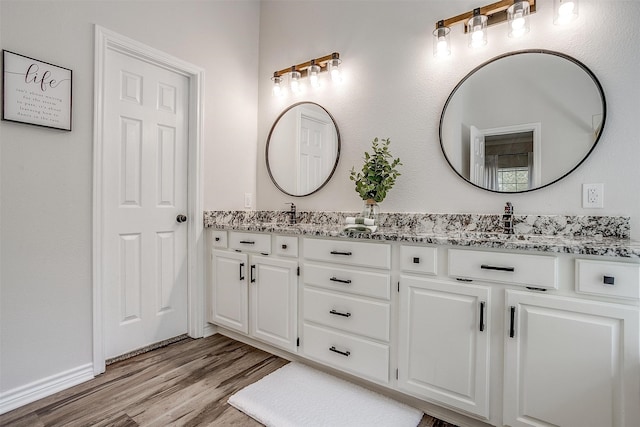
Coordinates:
column 184, row 384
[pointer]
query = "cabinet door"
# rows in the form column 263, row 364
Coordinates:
column 570, row 362
column 444, row 343
column 230, row 293
column 274, row 301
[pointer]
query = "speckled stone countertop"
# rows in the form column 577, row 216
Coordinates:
column 584, row 235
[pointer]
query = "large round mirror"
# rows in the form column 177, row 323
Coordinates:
column 522, row 121
column 303, row 149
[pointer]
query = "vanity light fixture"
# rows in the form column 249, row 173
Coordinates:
column 311, row 69
column 565, row 11
column 476, row 21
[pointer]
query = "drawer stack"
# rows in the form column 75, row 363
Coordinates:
column 346, row 308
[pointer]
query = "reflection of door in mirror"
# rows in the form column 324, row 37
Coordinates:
column 315, row 148
column 505, row 159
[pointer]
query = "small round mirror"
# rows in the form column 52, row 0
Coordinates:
column 303, row 149
column 522, row 121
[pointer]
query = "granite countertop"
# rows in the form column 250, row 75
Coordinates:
column 448, row 232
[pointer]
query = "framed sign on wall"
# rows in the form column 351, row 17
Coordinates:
column 35, row 92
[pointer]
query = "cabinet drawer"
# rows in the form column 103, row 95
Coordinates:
column 514, row 269
column 286, row 246
column 418, row 259
column 350, row 314
column 367, row 283
column 250, row 242
column 346, row 352
column 613, row 279
column 377, row 255
column 219, row 238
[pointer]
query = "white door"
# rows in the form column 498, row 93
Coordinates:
column 230, row 296
column 274, row 301
column 570, row 363
column 476, row 172
column 316, row 150
column 444, row 343
column 144, row 260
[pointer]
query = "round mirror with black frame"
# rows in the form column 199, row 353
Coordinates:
column 522, row 121
column 303, row 149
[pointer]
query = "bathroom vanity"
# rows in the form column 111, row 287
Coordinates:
column 521, row 330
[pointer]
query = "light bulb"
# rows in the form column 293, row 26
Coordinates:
column 277, row 85
column 477, row 37
column 518, row 16
column 477, row 29
column 566, row 11
column 334, row 69
column 441, row 47
column 295, row 81
column 314, row 74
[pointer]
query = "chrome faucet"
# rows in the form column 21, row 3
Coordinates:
column 507, row 219
column 291, row 213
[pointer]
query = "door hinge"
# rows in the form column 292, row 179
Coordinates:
column 298, row 271
column 298, row 342
column 396, row 374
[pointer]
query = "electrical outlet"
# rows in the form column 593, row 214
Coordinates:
column 592, row 196
column 248, row 200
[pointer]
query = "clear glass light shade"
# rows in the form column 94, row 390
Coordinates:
column 314, row 76
column 477, row 29
column 518, row 18
column 334, row 69
column 441, row 42
column 295, row 81
column 277, row 85
column 565, row 11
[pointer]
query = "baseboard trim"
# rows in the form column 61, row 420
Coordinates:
column 209, row 330
column 36, row 390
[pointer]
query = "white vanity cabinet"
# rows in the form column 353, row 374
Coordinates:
column 255, row 294
column 444, row 335
column 346, row 306
column 570, row 362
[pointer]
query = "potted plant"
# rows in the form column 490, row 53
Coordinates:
column 377, row 177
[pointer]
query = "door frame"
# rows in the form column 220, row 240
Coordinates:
column 106, row 40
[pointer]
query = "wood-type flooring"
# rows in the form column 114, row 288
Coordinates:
column 184, row 384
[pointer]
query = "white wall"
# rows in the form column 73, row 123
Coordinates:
column 45, row 312
column 395, row 88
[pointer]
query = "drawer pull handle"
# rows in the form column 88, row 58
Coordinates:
column 482, row 303
column 340, row 253
column 497, row 268
column 247, row 242
column 217, row 239
column 344, row 353
column 284, row 246
column 512, row 323
column 609, row 280
column 252, row 274
column 242, row 271
column 335, row 279
column 337, row 313
column 416, row 260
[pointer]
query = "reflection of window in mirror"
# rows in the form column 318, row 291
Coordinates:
column 509, row 161
column 506, row 159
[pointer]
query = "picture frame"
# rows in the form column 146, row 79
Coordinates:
column 36, row 92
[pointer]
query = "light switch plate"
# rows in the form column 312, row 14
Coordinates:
column 248, row 200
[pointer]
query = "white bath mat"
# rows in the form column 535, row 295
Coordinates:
column 298, row 396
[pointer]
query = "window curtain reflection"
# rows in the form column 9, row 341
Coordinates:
column 491, row 172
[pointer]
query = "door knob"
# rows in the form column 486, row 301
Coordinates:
column 181, row 218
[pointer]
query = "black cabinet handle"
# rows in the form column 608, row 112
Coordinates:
column 335, row 279
column 416, row 260
column 248, row 242
column 181, row 218
column 217, row 239
column 284, row 246
column 340, row 253
column 252, row 274
column 497, row 268
column 337, row 313
column 512, row 323
column 482, row 316
column 609, row 280
column 242, row 271
column 335, row 350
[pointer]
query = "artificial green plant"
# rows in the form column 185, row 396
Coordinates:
column 378, row 173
